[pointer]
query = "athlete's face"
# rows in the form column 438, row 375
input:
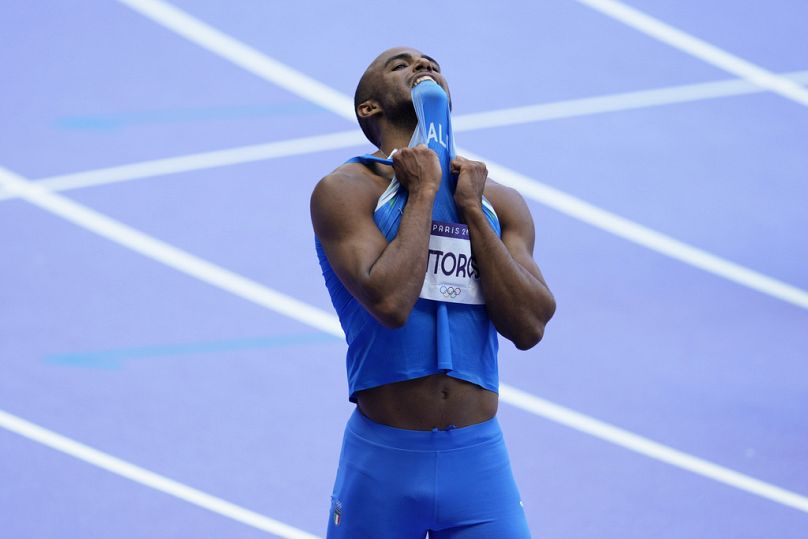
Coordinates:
column 399, row 69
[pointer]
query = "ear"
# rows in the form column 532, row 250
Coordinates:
column 368, row 108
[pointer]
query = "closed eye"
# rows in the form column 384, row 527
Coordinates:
column 399, row 65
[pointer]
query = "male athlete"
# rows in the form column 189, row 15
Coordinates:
column 424, row 266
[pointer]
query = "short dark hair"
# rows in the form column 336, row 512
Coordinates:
column 366, row 90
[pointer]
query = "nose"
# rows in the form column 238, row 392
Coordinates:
column 423, row 64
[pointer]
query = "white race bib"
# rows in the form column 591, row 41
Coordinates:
column 451, row 270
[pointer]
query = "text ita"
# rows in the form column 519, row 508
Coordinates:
column 437, row 135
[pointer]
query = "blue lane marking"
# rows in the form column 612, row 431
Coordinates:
column 112, row 359
column 117, row 121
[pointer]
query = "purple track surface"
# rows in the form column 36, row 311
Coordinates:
column 133, row 358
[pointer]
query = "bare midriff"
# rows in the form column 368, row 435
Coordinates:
column 435, row 401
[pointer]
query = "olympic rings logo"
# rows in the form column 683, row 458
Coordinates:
column 449, row 291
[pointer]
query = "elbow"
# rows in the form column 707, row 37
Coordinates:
column 529, row 337
column 392, row 320
column 389, row 308
column 390, row 314
column 531, row 334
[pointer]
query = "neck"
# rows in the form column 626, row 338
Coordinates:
column 395, row 136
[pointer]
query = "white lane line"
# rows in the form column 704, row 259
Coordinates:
column 242, row 55
column 644, row 236
column 644, row 446
column 354, row 138
column 147, row 478
column 700, row 49
column 165, row 253
column 270, row 70
column 328, row 323
column 611, row 103
column 203, row 160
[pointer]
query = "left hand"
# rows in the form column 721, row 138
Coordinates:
column 471, row 177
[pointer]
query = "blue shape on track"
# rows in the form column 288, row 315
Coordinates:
column 184, row 115
column 112, row 359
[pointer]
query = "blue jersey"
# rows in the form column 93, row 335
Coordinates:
column 448, row 330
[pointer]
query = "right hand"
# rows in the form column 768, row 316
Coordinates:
column 417, row 169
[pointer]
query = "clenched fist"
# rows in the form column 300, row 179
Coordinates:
column 417, row 169
column 471, row 177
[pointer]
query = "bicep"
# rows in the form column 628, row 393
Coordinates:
column 518, row 231
column 342, row 215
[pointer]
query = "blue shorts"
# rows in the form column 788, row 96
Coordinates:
column 400, row 484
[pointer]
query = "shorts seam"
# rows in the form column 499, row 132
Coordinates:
column 493, row 441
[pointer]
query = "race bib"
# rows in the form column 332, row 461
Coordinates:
column 451, row 270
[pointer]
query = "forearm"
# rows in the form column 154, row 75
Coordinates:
column 396, row 277
column 518, row 302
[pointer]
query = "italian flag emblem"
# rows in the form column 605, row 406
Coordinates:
column 337, row 512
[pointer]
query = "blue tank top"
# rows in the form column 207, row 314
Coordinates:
column 439, row 336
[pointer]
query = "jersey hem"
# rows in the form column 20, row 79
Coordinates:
column 476, row 380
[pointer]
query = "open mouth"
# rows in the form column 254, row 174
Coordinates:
column 421, row 79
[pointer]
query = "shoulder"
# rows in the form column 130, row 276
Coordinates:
column 352, row 176
column 346, row 195
column 518, row 230
column 507, row 202
column 351, row 183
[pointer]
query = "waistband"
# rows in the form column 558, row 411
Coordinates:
column 424, row 440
